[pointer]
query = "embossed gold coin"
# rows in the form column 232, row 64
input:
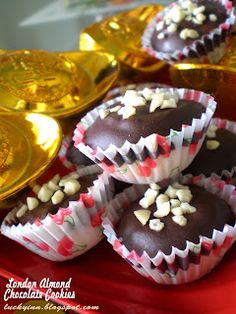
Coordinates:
column 33, row 142
column 54, row 84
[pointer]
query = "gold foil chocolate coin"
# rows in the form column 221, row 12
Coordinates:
column 33, row 142
column 50, row 83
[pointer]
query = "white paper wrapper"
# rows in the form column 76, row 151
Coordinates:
column 155, row 167
column 71, row 231
column 181, row 266
column 208, row 53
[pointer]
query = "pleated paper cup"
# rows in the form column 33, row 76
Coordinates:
column 71, row 231
column 181, row 266
column 155, row 157
column 210, row 48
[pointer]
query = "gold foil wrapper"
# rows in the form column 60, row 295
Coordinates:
column 32, row 142
column 218, row 79
column 54, row 84
column 121, row 35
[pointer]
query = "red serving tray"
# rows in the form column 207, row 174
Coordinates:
column 101, row 277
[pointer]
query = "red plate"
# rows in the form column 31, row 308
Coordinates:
column 100, row 277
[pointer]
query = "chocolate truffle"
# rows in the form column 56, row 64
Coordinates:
column 187, row 21
column 45, row 200
column 118, row 124
column 203, row 213
column 214, row 159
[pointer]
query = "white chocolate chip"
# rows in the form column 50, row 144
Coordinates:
column 192, row 33
column 157, row 100
column 71, row 175
column 183, row 34
column 135, row 102
column 71, row 187
column 188, row 33
column 163, row 209
column 174, row 203
column 195, row 21
column 199, row 10
column 147, row 93
column 177, row 14
column 212, row 128
column 155, row 186
column 151, row 193
column 103, row 113
column 168, row 21
column 200, row 18
column 184, row 195
column 129, row 94
column 121, row 111
column 180, row 220
column 52, row 186
column 156, row 224
column 147, row 201
column 56, row 179
column 36, row 188
column 162, row 198
column 115, row 109
column 57, row 197
column 128, row 112
column 44, row 194
column 142, row 215
column 161, row 36
column 171, row 192
column 172, row 28
column 160, row 25
column 211, row 134
column 212, row 145
column 32, row 202
column 21, row 211
column 177, row 211
column 212, row 17
column 168, row 103
column 187, row 208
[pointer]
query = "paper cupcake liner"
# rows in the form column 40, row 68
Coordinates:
column 155, row 157
column 210, row 48
column 181, row 266
column 71, row 231
column 71, row 166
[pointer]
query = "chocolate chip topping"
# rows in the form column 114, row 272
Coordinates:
column 212, row 213
column 172, row 40
column 44, row 208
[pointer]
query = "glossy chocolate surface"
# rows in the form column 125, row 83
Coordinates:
column 115, row 130
column 212, row 213
column 215, row 161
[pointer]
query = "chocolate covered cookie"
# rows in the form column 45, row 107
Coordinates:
column 193, row 29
